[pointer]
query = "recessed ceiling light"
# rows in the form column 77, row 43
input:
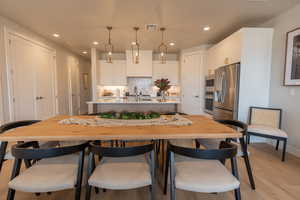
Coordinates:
column 95, row 43
column 56, row 35
column 172, row 44
column 133, row 43
column 84, row 52
column 206, row 28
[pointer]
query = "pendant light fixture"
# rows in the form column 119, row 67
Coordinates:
column 109, row 47
column 135, row 48
column 162, row 49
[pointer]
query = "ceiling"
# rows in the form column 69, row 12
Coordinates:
column 80, row 22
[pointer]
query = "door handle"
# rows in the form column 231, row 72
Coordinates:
column 196, row 96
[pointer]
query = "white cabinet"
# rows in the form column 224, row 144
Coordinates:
column 112, row 74
column 170, row 70
column 143, row 68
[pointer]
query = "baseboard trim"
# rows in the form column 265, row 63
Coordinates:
column 289, row 148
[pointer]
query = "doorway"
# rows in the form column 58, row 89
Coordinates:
column 31, row 79
column 74, row 86
column 192, row 83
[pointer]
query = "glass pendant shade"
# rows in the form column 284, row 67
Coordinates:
column 109, row 48
column 162, row 49
column 135, row 49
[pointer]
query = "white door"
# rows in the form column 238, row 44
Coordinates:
column 192, row 75
column 23, row 78
column 45, row 103
column 74, row 87
column 32, row 80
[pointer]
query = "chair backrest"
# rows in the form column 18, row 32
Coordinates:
column 119, row 152
column 265, row 116
column 30, row 150
column 226, row 151
column 17, row 124
column 235, row 124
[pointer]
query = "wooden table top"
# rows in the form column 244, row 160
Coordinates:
column 51, row 130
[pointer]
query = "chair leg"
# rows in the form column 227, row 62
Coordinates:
column 166, row 172
column 79, row 176
column 247, row 162
column 234, row 169
column 15, row 172
column 3, row 147
column 197, row 144
column 153, row 174
column 91, row 166
column 248, row 137
column 277, row 145
column 152, row 192
column 237, row 194
column 284, row 150
column 172, row 177
column 163, row 155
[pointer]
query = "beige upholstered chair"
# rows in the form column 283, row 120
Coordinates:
column 121, row 168
column 53, row 169
column 5, row 153
column 201, row 171
column 242, row 145
column 266, row 122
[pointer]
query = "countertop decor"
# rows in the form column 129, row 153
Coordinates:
column 129, row 115
column 164, row 120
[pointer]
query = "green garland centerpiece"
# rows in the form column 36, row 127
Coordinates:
column 129, row 115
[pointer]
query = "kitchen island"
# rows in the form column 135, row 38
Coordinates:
column 142, row 105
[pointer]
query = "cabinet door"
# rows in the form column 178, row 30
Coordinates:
column 170, row 70
column 143, row 68
column 113, row 73
column 119, row 73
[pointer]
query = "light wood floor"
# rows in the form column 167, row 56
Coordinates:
column 275, row 181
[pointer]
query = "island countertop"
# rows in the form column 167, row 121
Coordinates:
column 126, row 101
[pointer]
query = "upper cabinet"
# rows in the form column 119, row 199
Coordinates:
column 143, row 68
column 170, row 70
column 226, row 52
column 112, row 74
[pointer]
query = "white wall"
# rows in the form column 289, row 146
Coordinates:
column 62, row 57
column 287, row 98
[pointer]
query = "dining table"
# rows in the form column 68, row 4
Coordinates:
column 51, row 130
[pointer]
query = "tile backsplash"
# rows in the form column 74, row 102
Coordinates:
column 144, row 85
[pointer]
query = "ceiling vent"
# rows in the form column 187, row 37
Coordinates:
column 151, row 27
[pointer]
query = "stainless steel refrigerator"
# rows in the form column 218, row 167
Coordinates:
column 226, row 94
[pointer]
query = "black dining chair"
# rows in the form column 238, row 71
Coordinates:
column 242, row 145
column 52, row 169
column 4, row 153
column 121, row 168
column 203, row 171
